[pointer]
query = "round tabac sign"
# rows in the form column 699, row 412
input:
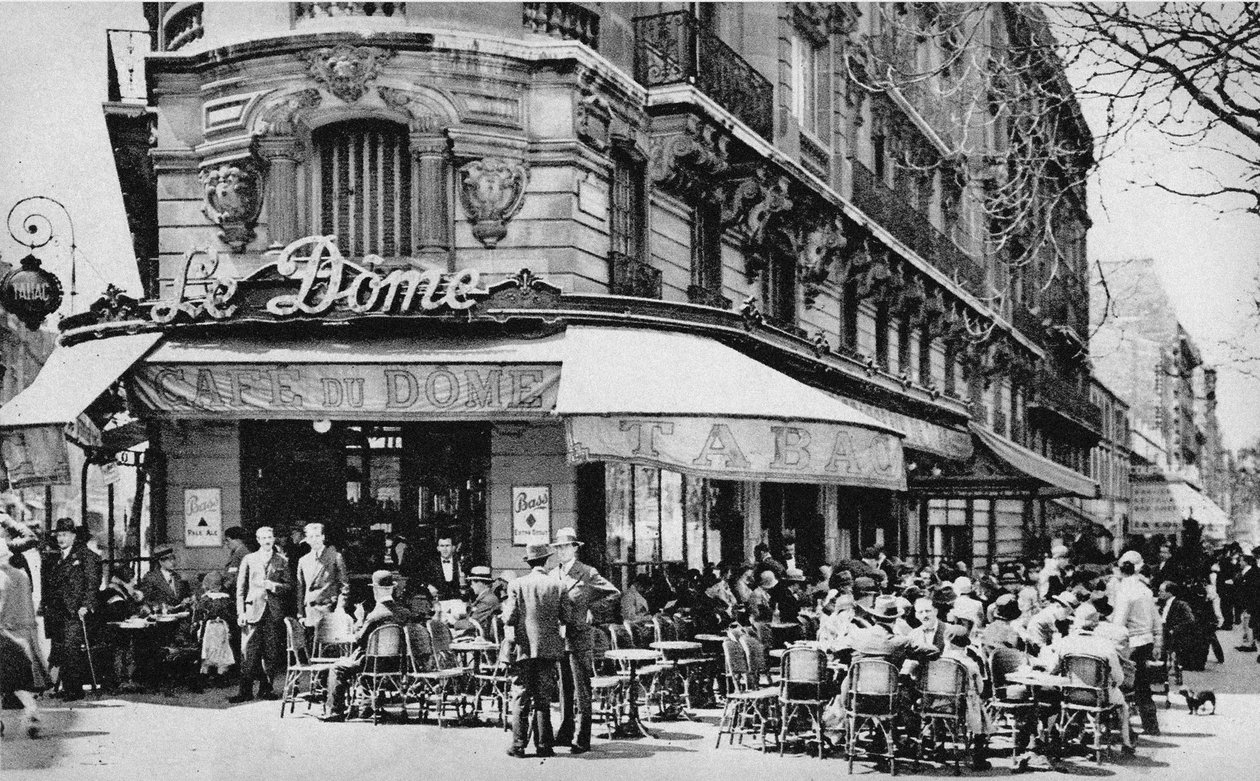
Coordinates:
column 30, row 293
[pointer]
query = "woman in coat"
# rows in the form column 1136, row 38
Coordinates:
column 22, row 672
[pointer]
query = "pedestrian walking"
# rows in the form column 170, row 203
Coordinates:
column 537, row 604
column 69, row 596
column 261, row 588
column 22, row 673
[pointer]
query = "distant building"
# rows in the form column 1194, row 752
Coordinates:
column 1109, row 464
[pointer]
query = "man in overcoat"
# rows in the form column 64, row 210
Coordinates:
column 72, row 576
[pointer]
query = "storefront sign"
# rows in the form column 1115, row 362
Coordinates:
column 743, row 449
column 203, row 517
column 328, row 280
column 347, row 390
column 35, row 455
column 531, row 514
column 30, row 293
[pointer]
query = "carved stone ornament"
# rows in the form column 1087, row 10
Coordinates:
column 233, row 198
column 523, row 290
column 592, row 119
column 687, row 161
column 767, row 229
column 492, row 191
column 822, row 244
column 751, row 313
column 345, row 70
column 115, row 306
column 278, row 118
column 423, row 118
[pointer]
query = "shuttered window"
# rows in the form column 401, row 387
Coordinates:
column 362, row 187
column 629, row 202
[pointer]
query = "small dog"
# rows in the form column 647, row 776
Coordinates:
column 1200, row 703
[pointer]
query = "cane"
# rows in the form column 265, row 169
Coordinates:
column 87, row 646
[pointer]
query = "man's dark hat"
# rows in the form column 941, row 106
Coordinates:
column 536, row 552
column 163, row 553
column 64, row 525
column 1006, row 607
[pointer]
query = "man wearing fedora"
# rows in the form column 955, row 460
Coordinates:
column 485, row 604
column 72, row 577
column 878, row 640
column 587, row 589
column 537, row 604
column 162, row 585
column 262, row 586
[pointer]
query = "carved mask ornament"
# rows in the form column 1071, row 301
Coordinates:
column 233, row 198
column 493, row 190
column 345, row 70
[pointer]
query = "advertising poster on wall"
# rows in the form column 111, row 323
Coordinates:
column 531, row 514
column 203, row 517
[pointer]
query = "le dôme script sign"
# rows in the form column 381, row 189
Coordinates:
column 743, row 448
column 347, row 390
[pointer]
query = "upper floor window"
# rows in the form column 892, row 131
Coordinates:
column 809, row 82
column 781, row 291
column 361, row 187
column 706, row 250
column 628, row 221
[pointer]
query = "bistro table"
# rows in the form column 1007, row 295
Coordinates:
column 673, row 652
column 633, row 657
column 475, row 646
column 1039, row 680
column 137, row 629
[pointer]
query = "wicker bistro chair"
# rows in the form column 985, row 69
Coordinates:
column 300, row 664
column 803, row 691
column 495, row 684
column 431, row 679
column 1012, row 710
column 1085, row 699
column 871, row 701
column 328, row 642
column 943, row 707
column 384, row 671
column 749, row 707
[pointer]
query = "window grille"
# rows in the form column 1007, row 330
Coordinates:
column 362, row 187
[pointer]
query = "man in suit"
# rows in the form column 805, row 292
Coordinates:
column 344, row 669
column 445, row 575
column 588, row 591
column 162, row 586
column 485, row 605
column 537, row 604
column 321, row 577
column 72, row 577
column 261, row 588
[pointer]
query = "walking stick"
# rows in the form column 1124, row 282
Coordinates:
column 87, row 646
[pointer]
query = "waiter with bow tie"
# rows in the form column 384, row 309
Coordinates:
column 445, row 574
column 586, row 589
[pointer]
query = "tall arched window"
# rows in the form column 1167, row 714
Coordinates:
column 361, row 186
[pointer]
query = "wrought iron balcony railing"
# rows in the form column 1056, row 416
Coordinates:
column 567, row 21
column 883, row 205
column 674, row 48
column 632, row 277
column 1053, row 394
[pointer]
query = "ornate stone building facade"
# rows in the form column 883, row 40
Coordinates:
column 727, row 173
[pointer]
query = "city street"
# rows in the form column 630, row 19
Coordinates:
column 156, row 738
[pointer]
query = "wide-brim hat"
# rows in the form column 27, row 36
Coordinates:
column 1067, row 599
column 884, row 609
column 794, row 574
column 1006, row 607
column 383, row 579
column 64, row 525
column 566, row 535
column 480, row 573
column 536, row 552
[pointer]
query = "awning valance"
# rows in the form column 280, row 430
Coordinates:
column 691, row 404
column 1056, row 480
column 1160, row 506
column 73, row 378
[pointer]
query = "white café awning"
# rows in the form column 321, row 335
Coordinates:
column 73, row 378
column 691, row 404
column 1160, row 506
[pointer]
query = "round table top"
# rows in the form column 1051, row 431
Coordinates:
column 777, row 653
column 708, row 638
column 141, row 624
column 165, row 617
column 1037, row 678
column 784, row 625
column 674, row 645
column 473, row 645
column 632, row 654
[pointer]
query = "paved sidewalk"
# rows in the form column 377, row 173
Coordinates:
column 153, row 738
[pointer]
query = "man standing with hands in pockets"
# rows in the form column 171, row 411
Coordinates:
column 261, row 588
column 587, row 589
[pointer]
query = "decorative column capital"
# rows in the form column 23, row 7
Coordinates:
column 492, row 190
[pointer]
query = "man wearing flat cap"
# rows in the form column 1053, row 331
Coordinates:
column 537, row 604
column 588, row 590
column 162, row 585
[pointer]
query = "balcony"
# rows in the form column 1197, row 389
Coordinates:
column 312, row 11
column 1056, row 403
column 632, row 277
column 911, row 227
column 1026, row 322
column 566, row 21
column 181, row 25
column 673, row 48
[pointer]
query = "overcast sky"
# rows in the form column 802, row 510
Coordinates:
column 52, row 57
